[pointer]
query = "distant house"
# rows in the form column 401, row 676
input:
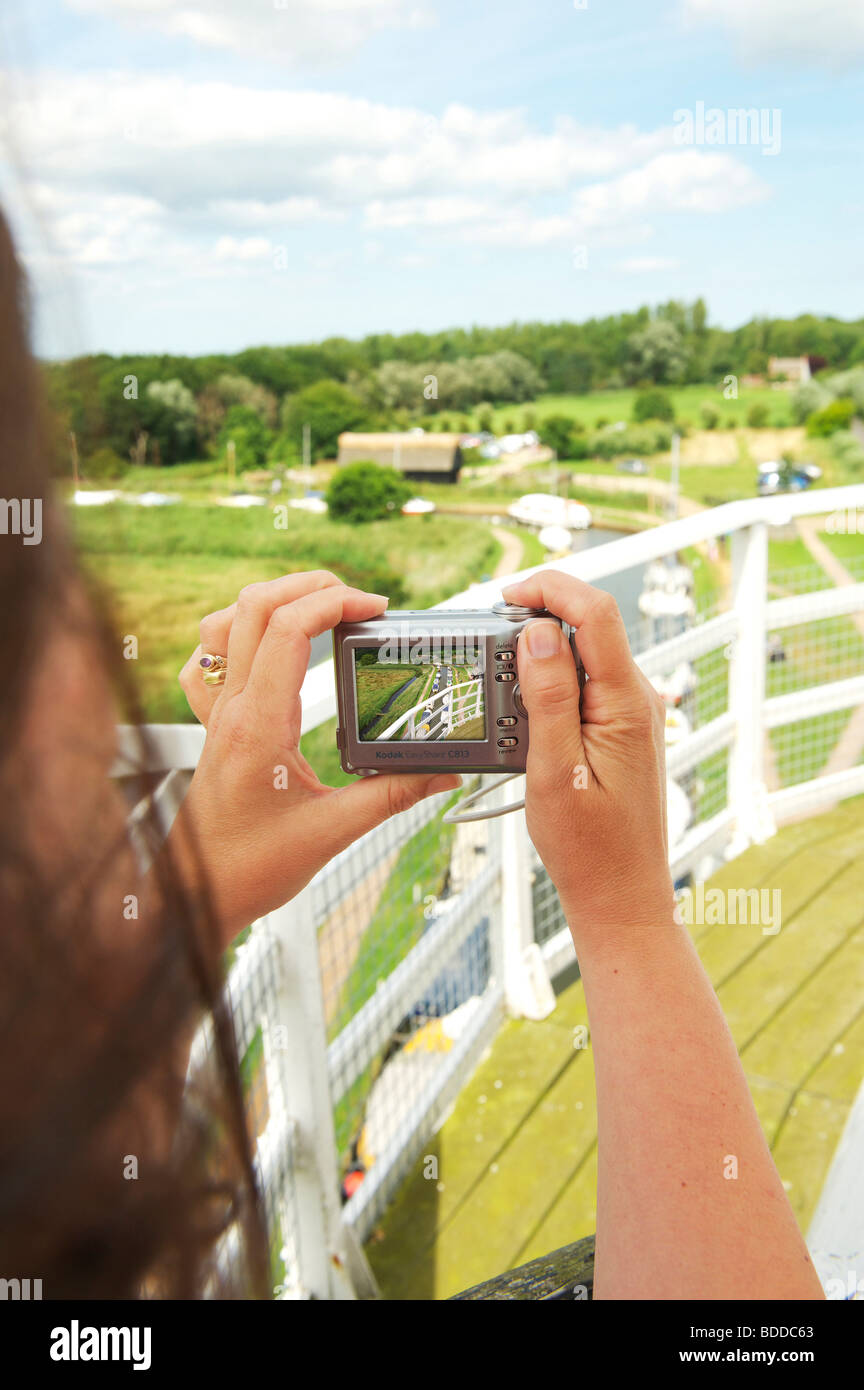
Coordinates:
column 795, row 370
column 415, row 455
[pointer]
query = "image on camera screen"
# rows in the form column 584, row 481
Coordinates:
column 437, row 698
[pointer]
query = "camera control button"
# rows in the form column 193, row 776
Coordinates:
column 505, row 656
column 518, row 702
column 507, row 742
column 505, row 676
column 506, row 721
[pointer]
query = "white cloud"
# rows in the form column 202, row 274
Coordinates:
column 688, row 181
column 250, row 248
column 643, row 265
column 291, row 31
column 152, row 167
column 824, row 32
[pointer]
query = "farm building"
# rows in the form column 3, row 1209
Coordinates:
column 415, row 455
column 796, row 370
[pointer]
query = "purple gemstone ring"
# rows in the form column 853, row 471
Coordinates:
column 213, row 668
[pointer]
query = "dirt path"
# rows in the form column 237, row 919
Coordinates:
column 511, row 552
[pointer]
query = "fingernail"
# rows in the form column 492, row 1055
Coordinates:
column 544, row 639
column 443, row 782
column 382, row 597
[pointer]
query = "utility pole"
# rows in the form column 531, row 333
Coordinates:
column 73, row 446
column 676, row 449
column 307, row 447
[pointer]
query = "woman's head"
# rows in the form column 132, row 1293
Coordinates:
column 102, row 1192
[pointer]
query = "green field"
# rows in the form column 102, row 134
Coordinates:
column 376, row 685
column 165, row 568
column 613, row 406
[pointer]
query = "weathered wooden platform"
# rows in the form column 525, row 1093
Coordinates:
column 516, row 1159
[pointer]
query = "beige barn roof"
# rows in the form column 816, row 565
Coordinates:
column 400, row 441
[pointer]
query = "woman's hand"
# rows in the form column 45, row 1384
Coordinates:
column 263, row 822
column 596, row 786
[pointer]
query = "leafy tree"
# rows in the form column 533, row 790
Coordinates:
column 653, row 405
column 657, row 353
column 710, row 415
column 328, row 408
column 169, row 417
column 836, row 416
column 252, row 439
column 366, row 492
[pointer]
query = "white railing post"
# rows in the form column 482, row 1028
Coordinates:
column 748, row 794
column 525, row 979
column 331, row 1262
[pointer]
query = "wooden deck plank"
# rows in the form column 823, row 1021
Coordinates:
column 527, row 1184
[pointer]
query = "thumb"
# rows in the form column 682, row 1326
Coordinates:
column 370, row 800
column 550, row 693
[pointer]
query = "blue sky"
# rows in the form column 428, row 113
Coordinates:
column 201, row 177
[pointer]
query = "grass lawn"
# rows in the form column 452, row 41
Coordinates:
column 165, row 568
column 618, row 405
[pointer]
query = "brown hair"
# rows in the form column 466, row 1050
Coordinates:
column 96, row 1014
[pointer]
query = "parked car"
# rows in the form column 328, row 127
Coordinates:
column 633, row 466
column 787, row 479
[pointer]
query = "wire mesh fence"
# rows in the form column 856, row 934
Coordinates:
column 407, row 927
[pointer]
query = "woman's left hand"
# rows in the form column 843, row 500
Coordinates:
column 263, row 822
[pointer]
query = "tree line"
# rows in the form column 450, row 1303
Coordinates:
column 163, row 408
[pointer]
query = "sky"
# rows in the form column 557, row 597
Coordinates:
column 189, row 177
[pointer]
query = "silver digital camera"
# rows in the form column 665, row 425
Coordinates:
column 432, row 691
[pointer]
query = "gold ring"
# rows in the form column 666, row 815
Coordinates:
column 213, row 669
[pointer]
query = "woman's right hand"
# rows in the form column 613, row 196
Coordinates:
column 596, row 784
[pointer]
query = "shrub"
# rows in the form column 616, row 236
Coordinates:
column 848, row 451
column 757, row 415
column 366, row 491
column 556, row 432
column 710, row 415
column 650, row 438
column 810, row 397
column 653, row 405
column 104, row 465
column 831, row 418
column 850, row 386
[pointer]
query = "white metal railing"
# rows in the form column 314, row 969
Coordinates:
column 371, row 946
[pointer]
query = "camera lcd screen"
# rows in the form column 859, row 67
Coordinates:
column 414, row 694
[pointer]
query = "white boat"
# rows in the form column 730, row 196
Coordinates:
column 657, row 603
column 677, row 727
column 309, row 504
column 243, row 499
column 545, row 509
column 676, row 685
column 555, row 538
column 418, row 506
column 152, row 499
column 83, row 498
